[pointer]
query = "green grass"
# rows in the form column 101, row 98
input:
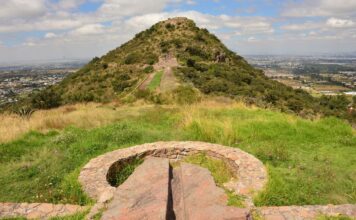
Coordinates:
column 309, row 162
column 121, row 175
column 341, row 217
column 218, row 168
column 220, row 172
column 156, row 81
column 77, row 216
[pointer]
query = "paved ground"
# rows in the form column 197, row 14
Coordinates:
column 37, row 210
column 306, row 212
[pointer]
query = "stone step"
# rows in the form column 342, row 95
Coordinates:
column 144, row 195
column 196, row 196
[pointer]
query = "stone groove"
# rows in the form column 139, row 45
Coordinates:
column 250, row 172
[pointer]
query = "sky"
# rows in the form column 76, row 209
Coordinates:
column 81, row 29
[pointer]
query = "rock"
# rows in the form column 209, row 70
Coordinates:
column 195, row 196
column 144, row 195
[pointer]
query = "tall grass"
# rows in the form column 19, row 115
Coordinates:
column 309, row 162
column 89, row 115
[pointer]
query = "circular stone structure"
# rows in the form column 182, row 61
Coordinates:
column 250, row 173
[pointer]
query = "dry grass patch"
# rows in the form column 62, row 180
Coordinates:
column 80, row 115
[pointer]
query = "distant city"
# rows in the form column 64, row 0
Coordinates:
column 324, row 75
column 319, row 75
column 21, row 79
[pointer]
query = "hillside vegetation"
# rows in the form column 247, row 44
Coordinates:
column 309, row 162
column 205, row 65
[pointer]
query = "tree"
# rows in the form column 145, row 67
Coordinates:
column 46, row 99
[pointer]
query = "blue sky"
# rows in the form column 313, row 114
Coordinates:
column 56, row 29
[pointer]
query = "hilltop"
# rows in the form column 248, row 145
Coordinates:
column 176, row 61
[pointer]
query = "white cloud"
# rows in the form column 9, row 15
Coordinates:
column 191, row 2
column 119, row 8
column 339, row 23
column 68, row 4
column 309, row 8
column 22, row 9
column 29, row 44
column 50, row 35
column 251, row 39
column 303, row 26
column 89, row 29
column 245, row 25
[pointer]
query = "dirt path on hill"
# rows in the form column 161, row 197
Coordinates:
column 169, row 81
column 147, row 81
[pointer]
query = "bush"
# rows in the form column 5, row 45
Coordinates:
column 170, row 27
column 46, row 99
column 190, row 63
column 148, row 69
column 120, row 86
column 215, row 85
column 132, row 58
column 196, row 51
column 151, row 59
column 186, row 95
column 143, row 93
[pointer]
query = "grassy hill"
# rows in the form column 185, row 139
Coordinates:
column 309, row 162
column 204, row 67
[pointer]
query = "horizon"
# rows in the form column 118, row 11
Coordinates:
column 81, row 29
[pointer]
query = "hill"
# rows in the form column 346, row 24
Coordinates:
column 176, row 61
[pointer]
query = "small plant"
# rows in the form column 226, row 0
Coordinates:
column 25, row 112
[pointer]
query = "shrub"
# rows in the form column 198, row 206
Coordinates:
column 215, row 85
column 151, row 59
column 46, row 99
column 120, row 86
column 132, row 58
column 170, row 27
column 196, row 51
column 24, row 112
column 190, row 63
column 123, row 76
column 148, row 69
column 143, row 93
column 105, row 66
column 186, row 95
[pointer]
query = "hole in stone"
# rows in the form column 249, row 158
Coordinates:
column 222, row 169
column 122, row 169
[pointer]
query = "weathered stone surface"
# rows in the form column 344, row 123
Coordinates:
column 195, row 196
column 144, row 195
column 250, row 172
column 306, row 212
column 38, row 210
